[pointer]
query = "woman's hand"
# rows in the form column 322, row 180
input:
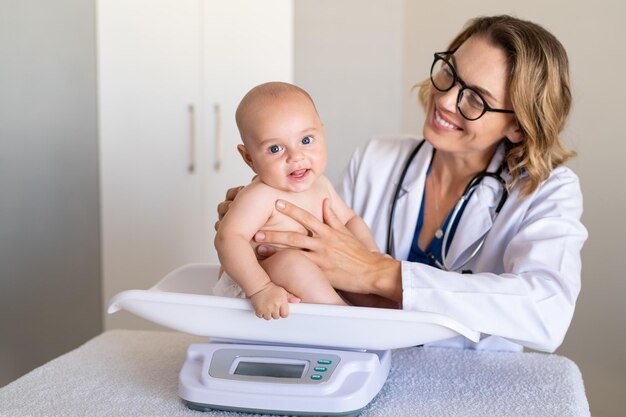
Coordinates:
column 347, row 263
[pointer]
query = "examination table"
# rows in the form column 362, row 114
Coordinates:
column 135, row 373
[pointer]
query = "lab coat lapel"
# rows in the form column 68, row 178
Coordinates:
column 476, row 220
column 473, row 224
column 409, row 202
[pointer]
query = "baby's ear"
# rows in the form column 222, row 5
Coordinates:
column 246, row 156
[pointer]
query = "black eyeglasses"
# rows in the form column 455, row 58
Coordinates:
column 470, row 103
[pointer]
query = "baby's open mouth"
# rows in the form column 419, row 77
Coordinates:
column 300, row 173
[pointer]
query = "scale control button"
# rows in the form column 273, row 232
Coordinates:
column 320, row 369
column 324, row 361
column 316, row 377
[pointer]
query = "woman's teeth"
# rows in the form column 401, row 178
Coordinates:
column 443, row 122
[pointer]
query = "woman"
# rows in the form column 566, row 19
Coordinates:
column 496, row 102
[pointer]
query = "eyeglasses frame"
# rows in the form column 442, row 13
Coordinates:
column 455, row 77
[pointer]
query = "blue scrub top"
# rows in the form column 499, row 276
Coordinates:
column 416, row 254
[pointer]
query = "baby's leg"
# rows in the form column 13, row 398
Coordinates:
column 296, row 273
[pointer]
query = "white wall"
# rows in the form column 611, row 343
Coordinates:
column 359, row 60
column 348, row 56
column 49, row 233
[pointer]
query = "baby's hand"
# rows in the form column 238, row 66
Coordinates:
column 271, row 302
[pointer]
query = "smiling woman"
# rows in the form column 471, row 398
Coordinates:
column 470, row 101
column 525, row 264
column 538, row 89
column 361, row 93
column 359, row 58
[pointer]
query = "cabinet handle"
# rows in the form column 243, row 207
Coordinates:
column 218, row 137
column 192, row 138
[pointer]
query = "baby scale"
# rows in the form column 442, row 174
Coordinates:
column 321, row 360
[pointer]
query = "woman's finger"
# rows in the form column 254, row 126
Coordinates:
column 293, row 240
column 231, row 193
column 305, row 218
column 265, row 251
column 222, row 209
column 330, row 217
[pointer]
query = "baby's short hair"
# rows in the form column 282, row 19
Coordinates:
column 272, row 89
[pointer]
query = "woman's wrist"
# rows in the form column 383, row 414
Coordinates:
column 386, row 279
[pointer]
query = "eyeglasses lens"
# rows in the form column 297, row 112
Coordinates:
column 443, row 77
column 471, row 104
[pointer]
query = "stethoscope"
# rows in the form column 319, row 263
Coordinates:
column 454, row 218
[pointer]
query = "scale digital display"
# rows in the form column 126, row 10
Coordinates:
column 276, row 370
column 273, row 365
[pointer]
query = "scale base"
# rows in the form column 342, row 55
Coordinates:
column 281, row 380
column 211, row 407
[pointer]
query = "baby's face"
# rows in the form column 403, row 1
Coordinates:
column 285, row 141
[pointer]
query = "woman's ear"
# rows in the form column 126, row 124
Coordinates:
column 515, row 134
column 246, row 156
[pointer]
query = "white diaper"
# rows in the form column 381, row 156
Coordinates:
column 226, row 287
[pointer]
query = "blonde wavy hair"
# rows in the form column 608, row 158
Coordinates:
column 539, row 90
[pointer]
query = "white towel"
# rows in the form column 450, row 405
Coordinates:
column 452, row 382
column 135, row 373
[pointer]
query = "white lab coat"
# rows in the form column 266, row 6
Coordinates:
column 527, row 275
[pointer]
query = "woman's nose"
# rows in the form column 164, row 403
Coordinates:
column 447, row 100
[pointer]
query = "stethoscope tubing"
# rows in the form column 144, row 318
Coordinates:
column 454, row 218
column 396, row 195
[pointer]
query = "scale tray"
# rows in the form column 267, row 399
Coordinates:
column 183, row 301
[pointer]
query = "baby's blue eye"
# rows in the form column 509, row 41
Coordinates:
column 306, row 140
column 275, row 149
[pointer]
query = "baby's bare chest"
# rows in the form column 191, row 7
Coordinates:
column 311, row 202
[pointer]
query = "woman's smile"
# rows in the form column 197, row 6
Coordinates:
column 442, row 122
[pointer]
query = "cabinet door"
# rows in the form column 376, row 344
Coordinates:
column 152, row 210
column 171, row 73
column 245, row 43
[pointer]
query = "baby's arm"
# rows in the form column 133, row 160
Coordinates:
column 359, row 229
column 247, row 214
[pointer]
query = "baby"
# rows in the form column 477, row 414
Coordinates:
column 284, row 144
